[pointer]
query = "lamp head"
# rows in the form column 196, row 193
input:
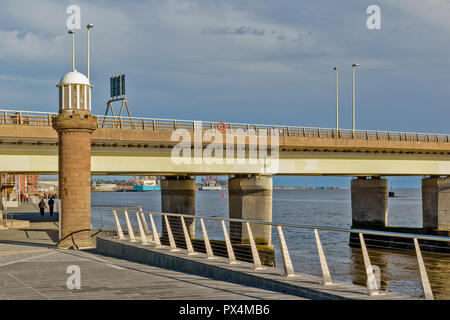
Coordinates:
column 89, row 26
column 335, row 68
column 355, row 65
column 71, row 32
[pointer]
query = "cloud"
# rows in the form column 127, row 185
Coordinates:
column 182, row 56
column 234, row 31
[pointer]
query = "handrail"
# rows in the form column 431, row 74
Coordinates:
column 372, row 286
column 275, row 224
column 36, row 118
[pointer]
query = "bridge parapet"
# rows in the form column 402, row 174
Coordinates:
column 43, row 119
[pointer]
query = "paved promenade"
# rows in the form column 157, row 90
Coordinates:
column 31, row 268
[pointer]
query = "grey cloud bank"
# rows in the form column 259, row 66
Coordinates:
column 252, row 61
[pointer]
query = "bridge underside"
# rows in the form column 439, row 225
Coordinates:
column 301, row 163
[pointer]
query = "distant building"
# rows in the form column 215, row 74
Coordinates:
column 146, row 183
column 106, row 187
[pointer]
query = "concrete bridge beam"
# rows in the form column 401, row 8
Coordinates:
column 178, row 196
column 250, row 198
column 369, row 202
column 436, row 203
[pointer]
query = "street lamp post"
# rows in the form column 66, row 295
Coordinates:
column 353, row 99
column 72, row 32
column 337, row 98
column 89, row 26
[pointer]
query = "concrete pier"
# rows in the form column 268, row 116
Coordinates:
column 178, row 196
column 250, row 198
column 436, row 204
column 74, row 162
column 369, row 202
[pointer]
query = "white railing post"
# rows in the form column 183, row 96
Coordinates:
column 428, row 293
column 141, row 229
column 256, row 260
column 209, row 252
column 371, row 280
column 287, row 263
column 187, row 238
column 173, row 246
column 144, row 221
column 130, row 229
column 155, row 233
column 118, row 227
column 231, row 257
column 323, row 260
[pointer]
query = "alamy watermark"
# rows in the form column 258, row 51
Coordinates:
column 373, row 22
column 74, row 20
column 74, row 280
column 374, row 281
column 257, row 149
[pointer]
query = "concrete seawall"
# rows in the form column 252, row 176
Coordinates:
column 305, row 286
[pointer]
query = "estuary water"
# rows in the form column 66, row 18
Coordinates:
column 323, row 207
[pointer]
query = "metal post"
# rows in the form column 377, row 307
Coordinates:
column 287, row 263
column 190, row 249
column 155, row 232
column 209, row 252
column 353, row 97
column 118, row 227
column 371, row 280
column 89, row 26
column 323, row 261
column 231, row 257
column 428, row 293
column 173, row 246
column 256, row 260
column 72, row 32
column 144, row 221
column 141, row 229
column 337, row 98
column 130, row 229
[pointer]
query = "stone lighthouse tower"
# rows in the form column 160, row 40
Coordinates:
column 75, row 125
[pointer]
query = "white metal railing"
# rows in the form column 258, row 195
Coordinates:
column 147, row 237
column 34, row 118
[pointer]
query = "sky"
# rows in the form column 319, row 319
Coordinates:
column 255, row 61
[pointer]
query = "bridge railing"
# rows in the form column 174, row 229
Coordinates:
column 234, row 239
column 32, row 118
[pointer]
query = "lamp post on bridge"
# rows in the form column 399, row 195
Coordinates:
column 337, row 98
column 353, row 98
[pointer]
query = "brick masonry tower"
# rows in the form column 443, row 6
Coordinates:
column 75, row 125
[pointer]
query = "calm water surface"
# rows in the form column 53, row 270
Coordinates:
column 399, row 270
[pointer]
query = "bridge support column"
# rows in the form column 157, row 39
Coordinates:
column 178, row 196
column 250, row 198
column 436, row 203
column 74, row 174
column 369, row 202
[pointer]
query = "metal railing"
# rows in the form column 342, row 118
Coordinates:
column 33, row 118
column 101, row 208
column 175, row 230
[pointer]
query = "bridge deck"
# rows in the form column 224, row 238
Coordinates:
column 28, row 144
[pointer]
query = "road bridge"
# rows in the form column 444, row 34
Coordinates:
column 143, row 146
column 251, row 154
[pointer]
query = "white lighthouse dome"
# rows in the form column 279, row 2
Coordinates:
column 74, row 77
column 74, row 93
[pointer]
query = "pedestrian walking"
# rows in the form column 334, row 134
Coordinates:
column 51, row 203
column 42, row 206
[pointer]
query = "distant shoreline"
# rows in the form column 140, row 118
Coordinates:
column 307, row 188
